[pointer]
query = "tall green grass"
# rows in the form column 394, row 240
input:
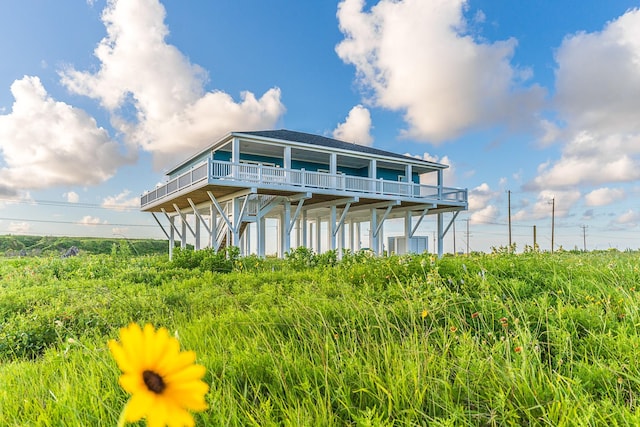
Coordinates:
column 530, row 339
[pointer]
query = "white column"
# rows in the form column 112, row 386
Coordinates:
column 381, row 239
column 172, row 239
column 285, row 219
column 197, row 245
column 373, row 237
column 235, row 223
column 213, row 225
column 305, row 226
column 407, row 232
column 357, row 236
column 373, row 167
column 287, row 157
column 439, row 230
column 260, row 231
column 332, row 228
column 351, row 236
column 235, row 150
column 183, row 240
column 318, row 235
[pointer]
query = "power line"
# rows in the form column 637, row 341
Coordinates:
column 111, row 207
column 50, row 221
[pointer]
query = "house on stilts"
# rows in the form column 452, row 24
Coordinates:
column 318, row 191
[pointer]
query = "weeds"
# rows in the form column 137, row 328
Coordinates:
column 502, row 339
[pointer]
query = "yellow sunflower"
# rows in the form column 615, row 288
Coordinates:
column 164, row 382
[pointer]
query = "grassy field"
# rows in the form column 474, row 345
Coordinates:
column 528, row 339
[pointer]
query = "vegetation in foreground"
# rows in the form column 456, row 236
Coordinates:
column 529, row 339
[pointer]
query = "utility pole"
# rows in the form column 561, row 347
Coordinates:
column 509, row 204
column 454, row 238
column 534, row 238
column 467, row 236
column 584, row 237
column 553, row 221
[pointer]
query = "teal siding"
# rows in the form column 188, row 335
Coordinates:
column 389, row 174
column 223, row 156
column 308, row 166
column 364, row 172
column 184, row 168
column 262, row 159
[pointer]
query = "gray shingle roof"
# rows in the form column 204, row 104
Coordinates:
column 307, row 138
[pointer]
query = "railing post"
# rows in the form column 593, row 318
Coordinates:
column 303, row 177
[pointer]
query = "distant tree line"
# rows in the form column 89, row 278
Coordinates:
column 17, row 245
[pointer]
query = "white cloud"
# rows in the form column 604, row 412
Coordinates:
column 604, row 196
column 549, row 203
column 356, row 128
column 486, row 215
column 121, row 201
column 18, row 227
column 480, row 196
column 47, row 143
column 89, row 220
column 598, row 99
column 448, row 175
column 592, row 159
column 173, row 113
column 629, row 218
column 417, row 57
column 482, row 204
column 72, row 197
column 123, row 231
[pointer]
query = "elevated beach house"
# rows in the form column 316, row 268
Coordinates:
column 314, row 191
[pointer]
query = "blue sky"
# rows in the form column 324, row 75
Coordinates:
column 540, row 98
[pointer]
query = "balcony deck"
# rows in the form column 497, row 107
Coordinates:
column 223, row 178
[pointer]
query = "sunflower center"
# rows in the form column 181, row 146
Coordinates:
column 153, row 381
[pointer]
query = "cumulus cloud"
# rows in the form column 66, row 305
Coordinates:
column 72, row 197
column 19, row 227
column 629, row 218
column 546, row 202
column 47, row 143
column 604, row 196
column 598, row 99
column 482, row 204
column 122, row 201
column 448, row 175
column 356, row 128
column 486, row 215
column 417, row 57
column 90, row 221
column 173, row 112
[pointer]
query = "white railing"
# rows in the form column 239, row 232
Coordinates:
column 268, row 175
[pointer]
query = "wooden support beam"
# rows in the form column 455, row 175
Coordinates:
column 161, row 227
column 444, row 233
column 173, row 226
column 195, row 210
column 422, row 215
column 184, row 220
column 384, row 217
column 223, row 214
column 342, row 217
column 295, row 215
column 337, row 202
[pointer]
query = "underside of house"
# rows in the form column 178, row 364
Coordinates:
column 285, row 189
